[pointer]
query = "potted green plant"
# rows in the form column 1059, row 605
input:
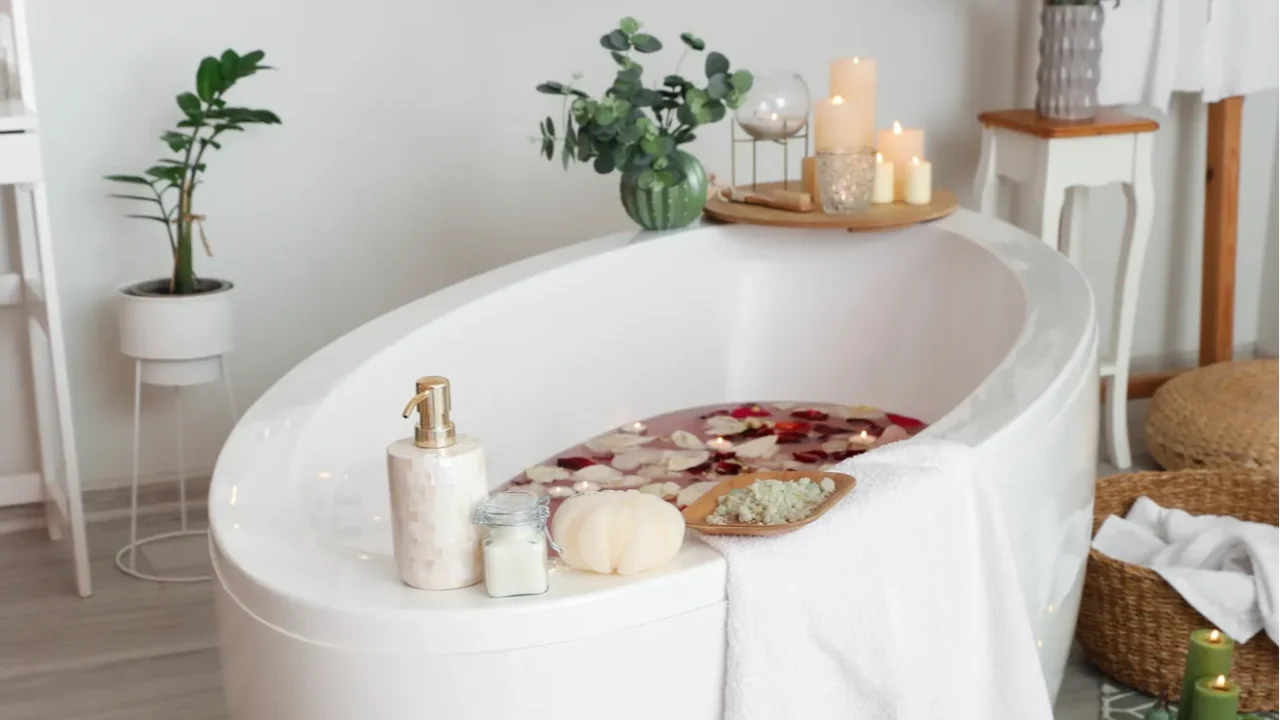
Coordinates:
column 182, row 324
column 1070, row 59
column 638, row 130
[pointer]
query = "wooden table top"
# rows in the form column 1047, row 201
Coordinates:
column 1108, row 121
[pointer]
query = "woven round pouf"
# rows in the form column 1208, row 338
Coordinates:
column 1219, row 416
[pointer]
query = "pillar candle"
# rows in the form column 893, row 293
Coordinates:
column 834, row 125
column 919, row 188
column 882, row 193
column 1215, row 698
column 1209, row 655
column 854, row 79
column 899, row 145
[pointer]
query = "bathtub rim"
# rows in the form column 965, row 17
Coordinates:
column 290, row 402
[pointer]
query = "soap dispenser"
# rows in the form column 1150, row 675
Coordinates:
column 438, row 481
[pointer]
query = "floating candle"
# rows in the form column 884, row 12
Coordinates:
column 637, row 428
column 720, row 445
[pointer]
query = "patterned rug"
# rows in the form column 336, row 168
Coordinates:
column 1122, row 703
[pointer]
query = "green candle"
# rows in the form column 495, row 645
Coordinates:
column 1209, row 656
column 1215, row 698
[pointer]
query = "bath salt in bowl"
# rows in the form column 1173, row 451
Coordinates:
column 698, row 515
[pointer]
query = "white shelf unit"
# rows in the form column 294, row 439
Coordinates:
column 33, row 291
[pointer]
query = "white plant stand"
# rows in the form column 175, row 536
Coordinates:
column 34, row 288
column 126, row 558
column 1059, row 162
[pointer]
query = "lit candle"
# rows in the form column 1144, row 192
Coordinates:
column 834, row 125
column 854, row 79
column 583, row 486
column 1215, row 698
column 919, row 190
column 720, row 445
column 1209, row 655
column 883, row 191
column 636, row 428
column 863, row 438
column 899, row 145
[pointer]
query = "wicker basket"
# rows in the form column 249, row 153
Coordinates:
column 1133, row 625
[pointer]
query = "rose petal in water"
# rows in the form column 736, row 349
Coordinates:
column 596, row 473
column 720, row 425
column 652, row 472
column 629, row 460
column 893, row 433
column 678, row 460
column 574, row 463
column 629, row 481
column 852, row 412
column 687, row 440
column 905, row 422
column 758, row 448
column 690, row 494
column 622, row 441
column 546, row 474
column 812, row 414
column 835, row 446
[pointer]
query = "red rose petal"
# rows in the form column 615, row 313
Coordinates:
column 728, row 467
column 906, row 423
column 862, row 424
column 575, row 463
column 788, row 438
column 826, row 430
column 810, row 456
column 718, row 456
column 815, row 415
column 699, row 469
column 845, row 454
column 747, row 411
column 794, row 426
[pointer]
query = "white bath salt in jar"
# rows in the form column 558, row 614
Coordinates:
column 515, row 543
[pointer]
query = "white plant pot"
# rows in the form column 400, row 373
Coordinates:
column 182, row 338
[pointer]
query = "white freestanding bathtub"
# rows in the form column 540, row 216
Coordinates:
column 967, row 323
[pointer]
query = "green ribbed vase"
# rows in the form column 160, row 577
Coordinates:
column 665, row 208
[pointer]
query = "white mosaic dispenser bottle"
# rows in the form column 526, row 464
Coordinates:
column 438, row 481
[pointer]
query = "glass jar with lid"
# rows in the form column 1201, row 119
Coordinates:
column 515, row 543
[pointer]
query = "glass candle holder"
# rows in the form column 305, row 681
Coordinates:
column 846, row 179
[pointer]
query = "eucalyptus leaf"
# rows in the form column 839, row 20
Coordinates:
column 549, row 148
column 695, row 97
column 693, row 41
column 630, row 135
column 666, row 179
column 629, row 25
column 716, row 64
column 702, row 115
column 660, row 163
column 605, row 115
column 718, row 90
column 551, row 87
column 622, row 60
column 585, row 151
column 645, row 98
column 616, row 40
column 741, row 81
column 717, row 111
column 685, row 115
column 685, row 137
column 646, row 180
column 734, row 99
column 551, row 126
column 674, row 81
column 646, row 43
column 652, row 145
column 604, row 163
column 622, row 155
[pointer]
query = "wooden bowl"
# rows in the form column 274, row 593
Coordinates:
column 695, row 515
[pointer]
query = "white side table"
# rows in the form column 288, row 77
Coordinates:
column 160, row 373
column 1058, row 162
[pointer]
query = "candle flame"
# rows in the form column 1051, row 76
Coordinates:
column 856, row 59
column 837, row 100
column 1214, row 635
column 1220, row 682
column 879, row 160
column 915, row 160
column 897, row 128
column 863, row 435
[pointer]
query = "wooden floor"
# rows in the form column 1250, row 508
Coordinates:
column 141, row 651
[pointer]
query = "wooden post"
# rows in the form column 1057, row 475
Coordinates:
column 1221, row 205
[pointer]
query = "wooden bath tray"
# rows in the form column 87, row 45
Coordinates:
column 695, row 516
column 876, row 217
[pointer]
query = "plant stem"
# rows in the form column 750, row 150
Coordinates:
column 184, row 276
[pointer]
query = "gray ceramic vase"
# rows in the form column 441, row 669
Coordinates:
column 1070, row 55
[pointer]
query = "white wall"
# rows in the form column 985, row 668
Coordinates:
column 403, row 165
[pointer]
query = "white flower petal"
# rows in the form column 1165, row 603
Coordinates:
column 560, row 491
column 596, row 473
column 629, row 460
column 678, row 460
column 622, row 441
column 724, row 425
column 652, row 489
column 670, row 489
column 687, row 440
column 630, row 481
column 755, row 422
column 546, row 473
column 757, row 448
column 653, row 471
column 690, row 494
column 835, row 445
column 784, row 406
column 893, row 433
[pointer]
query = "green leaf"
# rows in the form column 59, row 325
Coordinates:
column 176, row 140
column 629, row 25
column 248, row 64
column 734, row 99
column 167, row 161
column 566, row 155
column 605, row 115
column 666, row 178
column 604, row 163
column 674, row 81
column 224, row 127
column 131, row 179
column 646, row 180
column 622, row 155
column 717, row 111
column 660, row 163
column 645, row 98
column 166, row 172
column 134, row 197
column 630, row 134
column 264, row 116
column 741, row 81
column 622, row 60
column 646, row 43
column 693, row 41
column 616, row 40
column 640, row 160
column 189, row 123
column 668, row 146
column 716, row 64
column 695, row 97
column 685, row 136
column 229, row 68
column 149, row 217
column 581, row 109
column 585, row 150
column 718, row 87
column 549, row 148
column 702, row 115
column 551, row 126
column 685, row 115
column 551, row 87
column 208, row 81
column 652, row 145
column 189, row 103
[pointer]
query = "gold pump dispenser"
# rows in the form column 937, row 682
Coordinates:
column 434, row 429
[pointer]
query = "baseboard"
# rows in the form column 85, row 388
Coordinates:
column 1158, row 362
column 113, row 499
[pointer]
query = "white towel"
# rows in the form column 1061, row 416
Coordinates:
column 1220, row 48
column 900, row 603
column 1225, row 568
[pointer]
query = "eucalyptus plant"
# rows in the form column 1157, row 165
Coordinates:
column 636, row 129
column 171, row 182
